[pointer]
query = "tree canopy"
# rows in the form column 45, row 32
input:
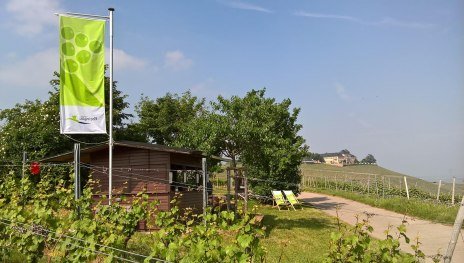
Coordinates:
column 256, row 131
column 161, row 120
column 369, row 159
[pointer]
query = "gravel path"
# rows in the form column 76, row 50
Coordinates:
column 433, row 236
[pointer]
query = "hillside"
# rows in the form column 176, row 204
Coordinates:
column 363, row 172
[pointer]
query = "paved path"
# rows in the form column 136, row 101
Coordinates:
column 433, row 236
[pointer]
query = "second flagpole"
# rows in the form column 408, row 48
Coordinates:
column 110, row 141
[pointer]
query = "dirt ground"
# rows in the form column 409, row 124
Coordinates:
column 433, row 236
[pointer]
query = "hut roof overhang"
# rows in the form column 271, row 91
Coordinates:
column 68, row 156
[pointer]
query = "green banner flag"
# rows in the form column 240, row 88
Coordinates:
column 82, row 75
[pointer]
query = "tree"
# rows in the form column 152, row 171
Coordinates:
column 162, row 120
column 369, row 159
column 33, row 126
column 257, row 131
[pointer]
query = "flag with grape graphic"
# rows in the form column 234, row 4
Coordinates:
column 82, row 72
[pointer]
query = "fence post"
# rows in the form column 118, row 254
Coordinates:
column 351, row 181
column 236, row 188
column 368, row 184
column 455, row 234
column 205, row 184
column 245, row 183
column 406, row 185
column 228, row 189
column 452, row 192
column 77, row 173
column 389, row 184
column 325, row 182
column 24, row 164
column 336, row 184
column 438, row 192
column 383, row 186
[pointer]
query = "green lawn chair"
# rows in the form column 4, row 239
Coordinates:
column 292, row 199
column 278, row 199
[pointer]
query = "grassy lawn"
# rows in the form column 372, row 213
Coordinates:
column 296, row 236
column 427, row 210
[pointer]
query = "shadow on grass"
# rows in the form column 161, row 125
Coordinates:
column 274, row 222
column 318, row 202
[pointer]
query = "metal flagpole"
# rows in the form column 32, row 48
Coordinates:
column 110, row 141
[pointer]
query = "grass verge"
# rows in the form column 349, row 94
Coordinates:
column 296, row 236
column 439, row 213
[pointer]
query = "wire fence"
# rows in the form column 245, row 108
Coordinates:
column 386, row 186
column 379, row 185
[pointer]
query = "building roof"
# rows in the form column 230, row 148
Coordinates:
column 339, row 154
column 331, row 154
column 68, row 156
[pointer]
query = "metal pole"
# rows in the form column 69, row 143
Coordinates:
column 383, row 187
column 228, row 189
column 438, row 192
column 110, row 141
column 236, row 187
column 406, row 186
column 455, row 234
column 24, row 164
column 368, row 184
column 77, row 171
column 205, row 193
column 23, row 172
column 245, row 182
column 452, row 191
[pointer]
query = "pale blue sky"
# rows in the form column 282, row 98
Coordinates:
column 380, row 77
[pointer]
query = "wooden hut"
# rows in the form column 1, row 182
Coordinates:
column 159, row 170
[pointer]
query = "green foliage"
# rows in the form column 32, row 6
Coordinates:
column 188, row 237
column 354, row 244
column 27, row 211
column 162, row 120
column 257, row 131
column 44, row 220
column 45, row 217
column 369, row 159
